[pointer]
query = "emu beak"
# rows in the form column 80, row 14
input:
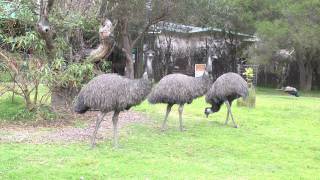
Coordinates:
column 207, row 111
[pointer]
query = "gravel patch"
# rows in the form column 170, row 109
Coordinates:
column 78, row 132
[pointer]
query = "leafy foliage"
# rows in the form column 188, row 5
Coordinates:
column 25, row 59
column 74, row 75
column 248, row 74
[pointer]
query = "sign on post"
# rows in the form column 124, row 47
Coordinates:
column 199, row 69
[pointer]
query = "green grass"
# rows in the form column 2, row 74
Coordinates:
column 9, row 108
column 13, row 111
column 279, row 139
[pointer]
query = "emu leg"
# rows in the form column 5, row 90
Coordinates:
column 180, row 116
column 227, row 119
column 169, row 106
column 98, row 122
column 229, row 111
column 115, row 128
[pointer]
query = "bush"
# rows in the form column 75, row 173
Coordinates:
column 250, row 101
column 5, row 76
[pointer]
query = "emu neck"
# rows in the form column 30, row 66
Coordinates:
column 217, row 105
column 206, row 81
column 138, row 91
column 201, row 86
column 142, row 82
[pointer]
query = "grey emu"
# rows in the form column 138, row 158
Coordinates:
column 112, row 92
column 225, row 89
column 290, row 90
column 180, row 89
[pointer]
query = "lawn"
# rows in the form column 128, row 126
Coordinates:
column 279, row 139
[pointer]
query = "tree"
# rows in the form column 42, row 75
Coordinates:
column 69, row 30
column 134, row 19
column 17, row 41
column 296, row 27
column 230, row 16
column 71, row 57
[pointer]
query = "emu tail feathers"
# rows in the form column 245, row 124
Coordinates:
column 79, row 106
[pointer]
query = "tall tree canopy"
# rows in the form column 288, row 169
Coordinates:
column 294, row 27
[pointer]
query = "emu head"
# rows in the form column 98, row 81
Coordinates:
column 209, row 65
column 214, row 108
column 210, row 110
column 148, row 71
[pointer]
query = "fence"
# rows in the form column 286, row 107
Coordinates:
column 242, row 68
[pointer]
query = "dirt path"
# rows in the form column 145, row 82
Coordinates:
column 67, row 134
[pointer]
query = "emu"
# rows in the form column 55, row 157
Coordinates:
column 225, row 89
column 291, row 90
column 112, row 92
column 180, row 89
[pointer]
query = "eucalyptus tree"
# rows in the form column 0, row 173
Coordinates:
column 133, row 20
column 69, row 30
column 296, row 27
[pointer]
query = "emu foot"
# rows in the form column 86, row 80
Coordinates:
column 115, row 147
column 164, row 128
column 93, row 145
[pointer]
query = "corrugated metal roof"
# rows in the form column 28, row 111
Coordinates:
column 181, row 28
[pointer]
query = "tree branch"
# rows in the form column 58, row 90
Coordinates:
column 50, row 5
column 44, row 28
column 162, row 17
column 106, row 42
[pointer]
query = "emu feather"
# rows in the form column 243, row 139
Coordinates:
column 180, row 89
column 112, row 92
column 225, row 89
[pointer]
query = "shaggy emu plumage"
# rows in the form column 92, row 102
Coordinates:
column 112, row 92
column 291, row 90
column 225, row 89
column 180, row 89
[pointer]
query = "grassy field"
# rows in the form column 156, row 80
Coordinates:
column 279, row 139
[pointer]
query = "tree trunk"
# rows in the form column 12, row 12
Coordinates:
column 283, row 76
column 36, row 92
column 305, row 69
column 29, row 104
column 138, row 65
column 129, row 71
column 62, row 98
column 14, row 87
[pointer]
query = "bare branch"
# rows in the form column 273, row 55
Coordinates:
column 162, row 17
column 9, row 63
column 8, row 88
column 43, row 26
column 128, row 55
column 50, row 5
